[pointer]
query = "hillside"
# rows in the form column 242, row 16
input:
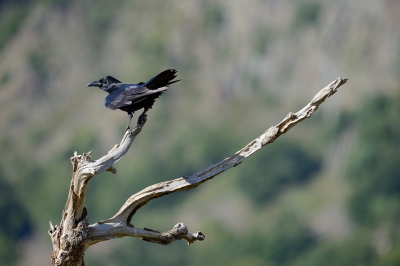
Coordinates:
column 244, row 65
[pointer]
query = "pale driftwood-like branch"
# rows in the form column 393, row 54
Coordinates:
column 106, row 231
column 70, row 238
column 136, row 201
column 84, row 168
column 74, row 235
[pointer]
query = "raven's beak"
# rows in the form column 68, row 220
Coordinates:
column 94, row 84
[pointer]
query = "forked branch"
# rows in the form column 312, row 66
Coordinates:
column 84, row 168
column 124, row 215
column 74, row 235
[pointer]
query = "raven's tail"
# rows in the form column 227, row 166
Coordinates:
column 164, row 79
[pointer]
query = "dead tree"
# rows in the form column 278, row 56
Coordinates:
column 74, row 234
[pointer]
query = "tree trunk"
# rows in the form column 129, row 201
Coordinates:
column 75, row 235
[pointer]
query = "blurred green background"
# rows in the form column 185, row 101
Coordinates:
column 326, row 193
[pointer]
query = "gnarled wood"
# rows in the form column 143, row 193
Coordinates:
column 70, row 238
column 184, row 183
column 106, row 231
column 74, row 235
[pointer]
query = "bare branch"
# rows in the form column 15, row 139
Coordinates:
column 106, row 231
column 70, row 238
column 84, row 168
column 139, row 199
column 75, row 235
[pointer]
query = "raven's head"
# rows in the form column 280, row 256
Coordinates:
column 104, row 83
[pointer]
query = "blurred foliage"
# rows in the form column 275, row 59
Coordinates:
column 15, row 223
column 307, row 13
column 283, row 164
column 99, row 24
column 374, row 165
column 393, row 257
column 286, row 241
column 10, row 20
column 213, row 14
column 4, row 79
column 214, row 112
column 264, row 39
column 354, row 251
column 36, row 62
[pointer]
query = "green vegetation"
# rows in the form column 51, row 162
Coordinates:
column 213, row 15
column 326, row 193
column 307, row 13
column 15, row 223
column 284, row 164
column 374, row 167
column 10, row 21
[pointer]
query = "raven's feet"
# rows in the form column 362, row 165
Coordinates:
column 130, row 115
column 141, row 120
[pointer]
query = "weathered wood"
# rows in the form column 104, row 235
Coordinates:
column 184, row 183
column 74, row 235
column 70, row 238
column 106, row 231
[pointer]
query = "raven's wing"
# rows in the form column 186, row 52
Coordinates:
column 125, row 95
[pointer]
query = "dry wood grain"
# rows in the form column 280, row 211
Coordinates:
column 75, row 235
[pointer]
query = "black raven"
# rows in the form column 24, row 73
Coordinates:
column 132, row 97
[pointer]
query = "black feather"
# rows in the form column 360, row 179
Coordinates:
column 133, row 97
